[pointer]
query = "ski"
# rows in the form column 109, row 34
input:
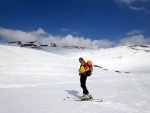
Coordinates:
column 80, row 100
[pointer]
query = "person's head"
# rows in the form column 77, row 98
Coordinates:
column 81, row 60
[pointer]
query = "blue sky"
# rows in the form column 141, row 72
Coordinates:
column 109, row 20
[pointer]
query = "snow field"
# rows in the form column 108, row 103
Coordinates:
column 33, row 81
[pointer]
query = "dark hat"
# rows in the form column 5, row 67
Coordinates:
column 80, row 58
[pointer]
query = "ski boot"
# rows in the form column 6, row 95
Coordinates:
column 90, row 96
column 87, row 97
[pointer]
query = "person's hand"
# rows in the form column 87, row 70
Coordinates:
column 82, row 72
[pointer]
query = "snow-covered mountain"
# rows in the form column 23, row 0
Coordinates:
column 35, row 81
column 134, row 58
column 123, row 58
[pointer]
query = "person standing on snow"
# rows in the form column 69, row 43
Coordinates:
column 83, row 71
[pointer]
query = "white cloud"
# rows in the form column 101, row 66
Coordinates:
column 15, row 35
column 69, row 40
column 129, row 2
column 40, row 31
column 135, row 32
column 126, row 1
column 137, row 8
column 42, row 36
column 133, row 37
column 138, row 39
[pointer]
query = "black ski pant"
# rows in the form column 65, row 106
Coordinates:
column 83, row 78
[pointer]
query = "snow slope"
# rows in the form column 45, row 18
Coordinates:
column 33, row 81
column 123, row 58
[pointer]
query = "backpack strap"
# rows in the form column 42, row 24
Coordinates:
column 85, row 64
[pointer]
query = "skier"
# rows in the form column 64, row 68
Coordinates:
column 83, row 71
